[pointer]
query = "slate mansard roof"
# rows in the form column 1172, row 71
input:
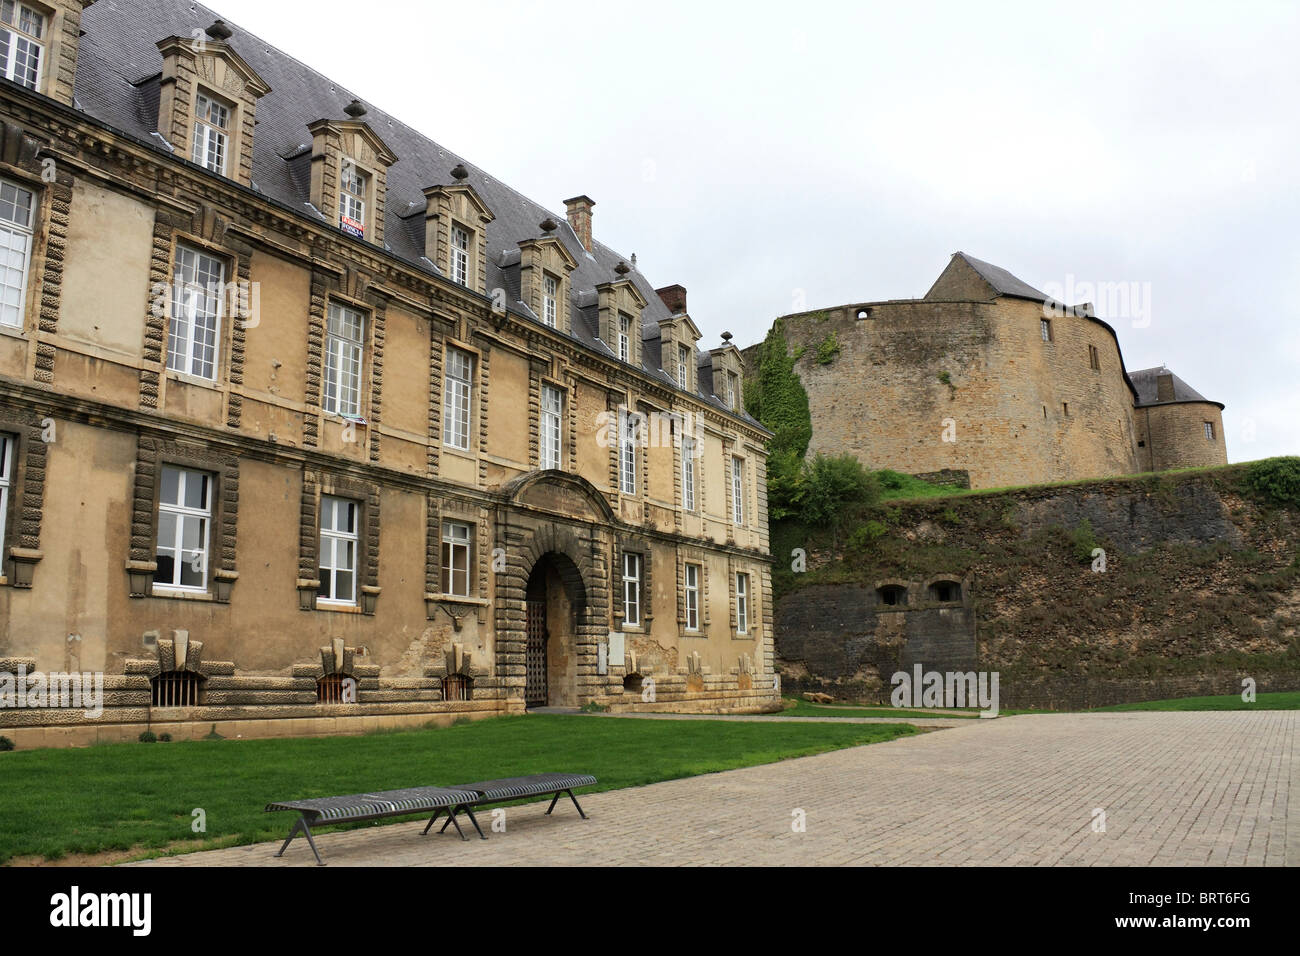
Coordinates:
column 118, row 65
column 1146, row 382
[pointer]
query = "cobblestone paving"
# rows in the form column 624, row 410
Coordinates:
column 1176, row 788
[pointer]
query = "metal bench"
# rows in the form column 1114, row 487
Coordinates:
column 369, row 806
column 513, row 788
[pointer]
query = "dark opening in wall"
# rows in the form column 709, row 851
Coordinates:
column 632, row 683
column 891, row 595
column 457, row 687
column 329, row 689
column 947, row 592
column 176, row 689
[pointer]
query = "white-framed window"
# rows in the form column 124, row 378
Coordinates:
column 550, row 298
column 211, row 133
column 683, row 357
column 456, row 542
column 738, row 491
column 629, row 424
column 16, row 210
column 742, row 603
column 732, row 389
column 22, row 29
column 549, row 428
column 8, row 448
column 631, row 589
column 457, row 389
column 459, row 255
column 1209, row 431
column 338, row 550
column 624, row 337
column 344, row 331
column 197, row 293
column 1045, row 329
column 691, row 592
column 353, row 184
column 184, row 519
column 688, row 473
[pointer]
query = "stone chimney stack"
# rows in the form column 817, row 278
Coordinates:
column 578, row 210
column 1164, row 387
column 674, row 297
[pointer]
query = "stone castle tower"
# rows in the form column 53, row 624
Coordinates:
column 988, row 376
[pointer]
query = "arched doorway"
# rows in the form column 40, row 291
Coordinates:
column 554, row 604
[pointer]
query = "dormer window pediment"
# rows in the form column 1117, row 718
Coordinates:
column 206, row 105
column 349, row 166
column 544, row 267
column 455, row 233
column 619, row 306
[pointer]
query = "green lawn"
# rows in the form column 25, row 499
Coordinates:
column 1289, row 700
column 134, row 796
column 802, row 708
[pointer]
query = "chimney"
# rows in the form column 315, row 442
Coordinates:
column 1165, row 387
column 578, row 210
column 674, row 297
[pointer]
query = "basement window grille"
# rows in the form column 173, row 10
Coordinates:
column 892, row 595
column 176, row 689
column 330, row 689
column 457, row 687
column 947, row 592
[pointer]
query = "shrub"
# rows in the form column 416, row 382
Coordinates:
column 1083, row 540
column 833, row 485
column 165, row 738
column 6, row 744
column 148, row 737
column 1276, row 480
column 949, row 517
column 864, row 535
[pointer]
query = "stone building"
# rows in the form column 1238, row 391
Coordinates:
column 306, row 423
column 992, row 379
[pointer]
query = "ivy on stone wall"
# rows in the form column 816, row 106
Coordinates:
column 828, row 349
column 777, row 398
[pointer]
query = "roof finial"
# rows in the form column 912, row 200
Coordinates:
column 219, row 30
column 356, row 109
column 549, row 225
column 622, row 268
column 459, row 172
column 726, row 337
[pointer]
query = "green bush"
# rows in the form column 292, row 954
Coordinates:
column 1084, row 541
column 833, row 485
column 148, row 737
column 6, row 744
column 864, row 535
column 1276, row 480
column 165, row 738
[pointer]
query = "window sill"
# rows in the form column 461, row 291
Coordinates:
column 187, row 379
column 458, row 599
column 339, row 606
column 162, row 591
column 17, row 331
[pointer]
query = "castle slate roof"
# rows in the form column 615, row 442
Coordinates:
column 1002, row 281
column 1146, row 382
column 118, row 68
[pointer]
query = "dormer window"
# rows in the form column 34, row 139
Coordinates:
column 211, row 133
column 21, row 49
column 550, row 294
column 624, row 337
column 353, row 184
column 459, row 256
column 683, row 357
column 731, row 390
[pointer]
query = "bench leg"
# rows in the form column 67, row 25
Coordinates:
column 475, row 822
column 451, row 818
column 575, row 803
column 554, row 797
column 432, row 820
column 301, row 824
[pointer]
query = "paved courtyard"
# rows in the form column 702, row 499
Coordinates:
column 1176, row 789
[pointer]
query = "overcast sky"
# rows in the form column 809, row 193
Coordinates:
column 779, row 157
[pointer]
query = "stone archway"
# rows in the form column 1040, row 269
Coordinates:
column 555, row 598
column 567, row 566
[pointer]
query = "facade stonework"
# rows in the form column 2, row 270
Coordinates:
column 987, row 377
column 381, row 487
